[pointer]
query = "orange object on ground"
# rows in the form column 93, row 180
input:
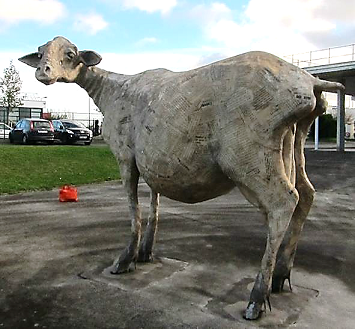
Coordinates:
column 68, row 193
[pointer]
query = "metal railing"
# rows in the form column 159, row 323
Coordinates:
column 323, row 56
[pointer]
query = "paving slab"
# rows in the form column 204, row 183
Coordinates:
column 54, row 260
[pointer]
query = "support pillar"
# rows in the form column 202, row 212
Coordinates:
column 341, row 121
column 316, row 134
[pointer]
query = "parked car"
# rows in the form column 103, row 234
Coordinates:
column 4, row 130
column 32, row 131
column 70, row 131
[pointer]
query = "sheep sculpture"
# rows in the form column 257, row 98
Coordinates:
column 192, row 136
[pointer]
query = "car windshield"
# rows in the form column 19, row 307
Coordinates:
column 41, row 124
column 70, row 124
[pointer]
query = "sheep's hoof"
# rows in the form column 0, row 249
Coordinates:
column 253, row 311
column 145, row 257
column 121, row 268
column 279, row 281
column 258, row 297
column 281, row 274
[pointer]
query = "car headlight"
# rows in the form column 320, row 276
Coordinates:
column 90, row 133
column 70, row 132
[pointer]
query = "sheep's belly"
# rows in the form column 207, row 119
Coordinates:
column 188, row 185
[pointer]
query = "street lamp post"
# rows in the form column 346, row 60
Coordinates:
column 89, row 112
column 316, row 134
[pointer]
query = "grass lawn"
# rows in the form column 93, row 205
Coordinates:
column 41, row 167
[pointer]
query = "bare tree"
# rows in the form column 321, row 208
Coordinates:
column 10, row 88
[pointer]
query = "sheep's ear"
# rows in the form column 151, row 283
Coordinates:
column 31, row 59
column 90, row 58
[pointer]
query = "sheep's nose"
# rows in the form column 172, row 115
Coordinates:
column 45, row 69
column 44, row 73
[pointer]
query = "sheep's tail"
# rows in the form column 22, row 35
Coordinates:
column 323, row 85
column 319, row 87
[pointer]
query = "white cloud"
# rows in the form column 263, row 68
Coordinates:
column 300, row 15
column 212, row 13
column 146, row 41
column 344, row 11
column 90, row 23
column 209, row 15
column 164, row 6
column 227, row 32
column 139, row 62
column 278, row 26
column 43, row 11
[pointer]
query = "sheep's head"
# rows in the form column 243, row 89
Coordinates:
column 59, row 60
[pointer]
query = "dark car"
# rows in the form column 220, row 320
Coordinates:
column 31, row 131
column 70, row 131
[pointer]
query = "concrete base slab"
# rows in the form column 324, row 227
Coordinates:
column 162, row 275
column 148, row 274
column 286, row 308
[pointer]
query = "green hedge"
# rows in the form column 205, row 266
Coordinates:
column 327, row 127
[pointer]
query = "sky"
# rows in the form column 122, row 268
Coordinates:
column 137, row 35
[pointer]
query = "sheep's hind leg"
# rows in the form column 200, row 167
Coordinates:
column 128, row 257
column 146, row 248
column 277, row 199
column 284, row 263
column 305, row 189
column 278, row 212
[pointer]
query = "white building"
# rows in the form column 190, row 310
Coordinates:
column 33, row 106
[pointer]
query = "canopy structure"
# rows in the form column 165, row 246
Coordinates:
column 345, row 74
column 333, row 64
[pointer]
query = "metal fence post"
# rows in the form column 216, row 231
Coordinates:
column 341, row 121
column 316, row 134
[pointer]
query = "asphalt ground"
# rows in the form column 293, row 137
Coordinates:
column 53, row 258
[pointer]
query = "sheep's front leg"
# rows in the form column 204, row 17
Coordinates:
column 146, row 248
column 130, row 176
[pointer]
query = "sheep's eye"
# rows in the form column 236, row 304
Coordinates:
column 39, row 55
column 70, row 55
column 60, row 62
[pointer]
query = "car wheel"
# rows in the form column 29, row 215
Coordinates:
column 50, row 142
column 11, row 140
column 87, row 143
column 24, row 139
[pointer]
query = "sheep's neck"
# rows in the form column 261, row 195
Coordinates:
column 99, row 83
